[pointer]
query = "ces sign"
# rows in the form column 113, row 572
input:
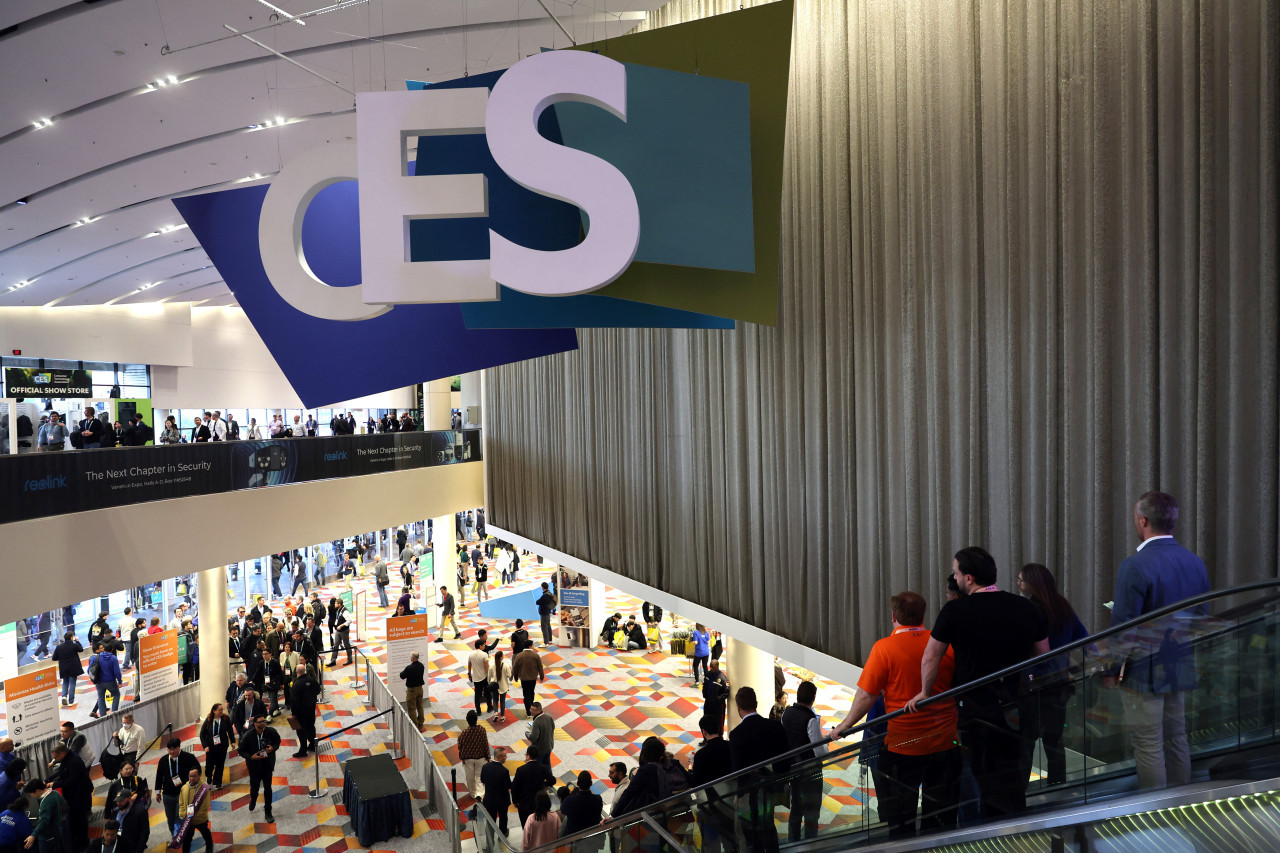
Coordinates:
column 390, row 197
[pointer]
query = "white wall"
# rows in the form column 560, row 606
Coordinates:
column 200, row 357
column 231, row 367
column 137, row 334
column 790, row 651
column 83, row 555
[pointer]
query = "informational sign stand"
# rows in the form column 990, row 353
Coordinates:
column 362, row 612
column 575, row 617
column 31, row 705
column 158, row 671
column 8, row 651
column 406, row 635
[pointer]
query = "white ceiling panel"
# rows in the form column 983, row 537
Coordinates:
column 120, row 145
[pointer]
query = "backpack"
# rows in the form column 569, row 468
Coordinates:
column 112, row 759
column 95, row 670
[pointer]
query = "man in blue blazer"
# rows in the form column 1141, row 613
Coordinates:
column 1159, row 668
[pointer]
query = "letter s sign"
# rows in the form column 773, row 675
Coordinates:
column 562, row 173
column 390, row 198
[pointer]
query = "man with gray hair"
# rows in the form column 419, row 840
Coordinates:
column 1157, row 667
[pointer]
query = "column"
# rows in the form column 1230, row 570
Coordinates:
column 446, row 562
column 437, row 408
column 471, row 393
column 215, row 668
column 597, row 590
column 747, row 666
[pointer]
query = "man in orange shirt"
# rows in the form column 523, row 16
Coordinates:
column 919, row 749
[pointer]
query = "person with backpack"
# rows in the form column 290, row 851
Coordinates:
column 104, row 673
column 99, row 629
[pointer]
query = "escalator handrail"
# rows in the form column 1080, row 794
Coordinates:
column 683, row 797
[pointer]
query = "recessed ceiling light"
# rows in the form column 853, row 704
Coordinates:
column 41, row 122
column 18, row 286
column 279, row 120
column 172, row 79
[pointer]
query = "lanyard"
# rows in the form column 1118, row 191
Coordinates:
column 217, row 726
column 261, row 746
column 173, row 766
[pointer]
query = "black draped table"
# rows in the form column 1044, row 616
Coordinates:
column 377, row 799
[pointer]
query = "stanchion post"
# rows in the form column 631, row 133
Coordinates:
column 453, row 784
column 317, row 793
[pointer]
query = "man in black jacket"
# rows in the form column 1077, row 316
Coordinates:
column 713, row 761
column 757, row 739
column 273, row 681
column 67, row 654
column 495, row 778
column 531, row 777
column 72, row 777
column 249, row 706
column 302, row 701
column 91, row 429
column 171, row 775
column 414, row 677
column 546, row 605
column 135, row 824
column 259, row 747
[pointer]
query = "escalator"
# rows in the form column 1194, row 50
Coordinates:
column 1082, row 793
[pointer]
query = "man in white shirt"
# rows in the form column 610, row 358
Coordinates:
column 179, row 613
column 478, row 669
column 299, row 431
column 123, row 629
column 618, row 776
column 217, row 428
column 132, row 736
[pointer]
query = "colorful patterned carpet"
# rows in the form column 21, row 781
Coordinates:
column 604, row 703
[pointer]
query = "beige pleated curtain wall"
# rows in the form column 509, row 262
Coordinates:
column 1029, row 270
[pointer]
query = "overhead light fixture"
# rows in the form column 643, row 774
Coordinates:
column 172, row 79
column 82, row 221
column 282, row 12
column 279, row 120
column 41, row 122
column 22, row 200
column 18, row 286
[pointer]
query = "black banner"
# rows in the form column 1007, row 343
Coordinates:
column 51, row 383
column 33, row 485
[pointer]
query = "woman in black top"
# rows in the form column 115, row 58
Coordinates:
column 129, row 781
column 215, row 735
column 648, row 786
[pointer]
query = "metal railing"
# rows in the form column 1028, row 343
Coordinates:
column 316, row 792
column 413, row 745
column 178, row 708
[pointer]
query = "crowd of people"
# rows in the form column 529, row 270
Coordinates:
column 94, row 430
column 933, row 762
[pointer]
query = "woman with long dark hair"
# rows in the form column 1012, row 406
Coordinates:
column 543, row 826
column 215, row 736
column 1044, row 716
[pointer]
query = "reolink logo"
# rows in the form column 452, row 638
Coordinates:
column 44, row 484
column 336, row 456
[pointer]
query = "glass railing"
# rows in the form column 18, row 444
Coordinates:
column 1058, row 730
column 34, row 485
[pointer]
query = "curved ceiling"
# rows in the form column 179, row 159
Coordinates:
column 110, row 108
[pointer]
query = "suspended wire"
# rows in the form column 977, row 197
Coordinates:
column 160, row 17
